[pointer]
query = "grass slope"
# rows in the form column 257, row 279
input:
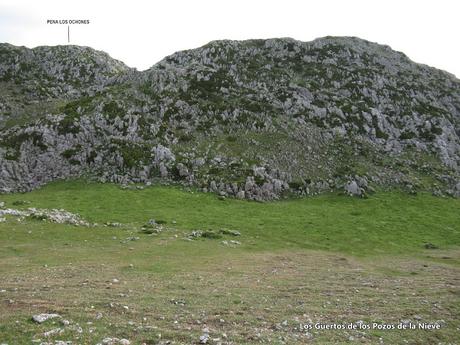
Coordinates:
column 324, row 259
column 386, row 223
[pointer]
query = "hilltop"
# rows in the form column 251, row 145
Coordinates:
column 255, row 119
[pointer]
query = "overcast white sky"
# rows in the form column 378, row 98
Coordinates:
column 140, row 33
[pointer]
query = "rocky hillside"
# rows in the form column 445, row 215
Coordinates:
column 254, row 119
column 34, row 81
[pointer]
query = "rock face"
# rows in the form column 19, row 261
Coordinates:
column 253, row 119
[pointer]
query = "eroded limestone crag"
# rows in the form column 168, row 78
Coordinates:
column 251, row 119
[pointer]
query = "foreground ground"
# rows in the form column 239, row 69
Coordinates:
column 390, row 259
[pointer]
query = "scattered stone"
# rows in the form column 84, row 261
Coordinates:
column 40, row 318
column 129, row 239
column 54, row 215
column 204, row 234
column 180, row 302
column 195, row 234
column 430, row 246
column 150, row 231
column 360, row 323
column 231, row 243
column 113, row 224
column 405, row 322
column 210, row 234
column 53, row 332
column 441, row 323
column 353, row 189
column 230, row 232
column 204, row 339
column 114, row 341
column 76, row 328
column 20, row 202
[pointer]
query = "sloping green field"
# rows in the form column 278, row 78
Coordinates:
column 326, row 259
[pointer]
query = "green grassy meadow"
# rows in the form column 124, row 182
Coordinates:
column 329, row 258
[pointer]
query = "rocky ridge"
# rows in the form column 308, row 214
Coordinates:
column 253, row 119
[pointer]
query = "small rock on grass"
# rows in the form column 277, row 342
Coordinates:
column 114, row 341
column 53, row 332
column 113, row 224
column 230, row 232
column 231, row 243
column 40, row 318
column 204, row 339
column 430, row 246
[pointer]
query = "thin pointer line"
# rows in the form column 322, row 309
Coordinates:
column 68, row 34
